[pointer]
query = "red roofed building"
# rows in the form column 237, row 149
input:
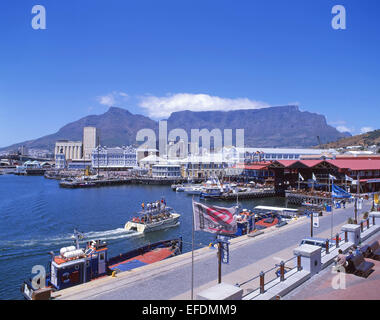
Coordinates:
column 258, row 170
column 287, row 172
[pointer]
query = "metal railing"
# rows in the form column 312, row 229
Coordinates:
column 261, row 281
column 279, row 271
column 342, row 237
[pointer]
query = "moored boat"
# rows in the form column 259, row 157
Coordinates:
column 193, row 190
column 75, row 265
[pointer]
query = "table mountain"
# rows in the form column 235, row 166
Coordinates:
column 285, row 126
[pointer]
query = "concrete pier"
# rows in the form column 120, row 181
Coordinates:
column 299, row 198
column 247, row 195
column 171, row 278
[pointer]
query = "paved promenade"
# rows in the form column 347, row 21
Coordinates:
column 355, row 288
column 171, row 279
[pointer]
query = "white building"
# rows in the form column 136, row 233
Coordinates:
column 90, row 141
column 78, row 150
column 240, row 155
column 166, row 171
column 73, row 150
column 118, row 158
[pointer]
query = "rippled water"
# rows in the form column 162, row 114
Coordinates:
column 36, row 217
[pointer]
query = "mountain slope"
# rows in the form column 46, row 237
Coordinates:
column 117, row 127
column 283, row 126
column 365, row 140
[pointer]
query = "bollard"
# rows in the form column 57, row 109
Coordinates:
column 337, row 240
column 327, row 247
column 299, row 267
column 361, row 226
column 282, row 271
column 345, row 236
column 262, row 290
column 367, row 223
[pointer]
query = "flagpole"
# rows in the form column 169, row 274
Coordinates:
column 311, row 223
column 332, row 210
column 192, row 255
column 329, row 183
column 299, row 179
column 219, row 262
column 332, row 213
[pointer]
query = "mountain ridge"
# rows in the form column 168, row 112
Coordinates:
column 282, row 126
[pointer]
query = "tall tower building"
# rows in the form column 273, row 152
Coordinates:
column 90, row 141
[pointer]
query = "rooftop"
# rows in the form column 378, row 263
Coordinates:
column 349, row 164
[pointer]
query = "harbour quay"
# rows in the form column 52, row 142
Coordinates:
column 87, row 183
column 299, row 198
column 263, row 193
column 268, row 267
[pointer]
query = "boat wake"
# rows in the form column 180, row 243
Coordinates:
column 114, row 234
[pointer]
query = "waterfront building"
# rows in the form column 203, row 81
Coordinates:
column 78, row 150
column 346, row 172
column 166, row 171
column 151, row 160
column 90, row 141
column 118, row 158
column 248, row 155
column 73, row 150
column 258, row 171
column 205, row 166
column 78, row 164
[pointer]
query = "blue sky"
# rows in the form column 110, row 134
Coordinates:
column 155, row 56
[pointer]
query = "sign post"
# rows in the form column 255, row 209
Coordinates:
column 316, row 220
column 223, row 254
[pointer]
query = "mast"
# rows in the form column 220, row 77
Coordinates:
column 77, row 236
column 192, row 254
column 98, row 153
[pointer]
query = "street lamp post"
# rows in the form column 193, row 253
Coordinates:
column 357, row 196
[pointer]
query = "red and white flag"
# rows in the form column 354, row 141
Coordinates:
column 214, row 219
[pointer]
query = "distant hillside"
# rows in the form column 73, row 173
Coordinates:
column 285, row 126
column 365, row 140
column 117, row 127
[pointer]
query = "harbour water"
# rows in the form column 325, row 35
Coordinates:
column 37, row 216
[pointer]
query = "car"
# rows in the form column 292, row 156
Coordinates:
column 320, row 242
